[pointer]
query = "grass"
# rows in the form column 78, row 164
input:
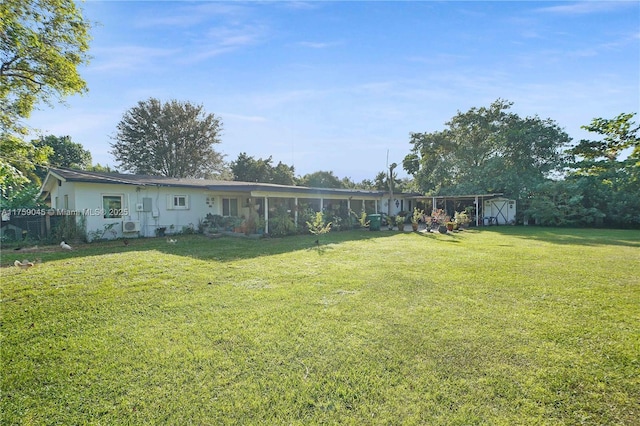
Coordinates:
column 500, row 326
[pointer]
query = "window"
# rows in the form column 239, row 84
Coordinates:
column 180, row 202
column 112, row 206
column 229, row 207
column 177, row 202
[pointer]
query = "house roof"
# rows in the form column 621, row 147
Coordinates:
column 70, row 175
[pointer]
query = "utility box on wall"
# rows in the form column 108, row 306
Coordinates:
column 146, row 204
column 501, row 210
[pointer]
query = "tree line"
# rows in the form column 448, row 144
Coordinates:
column 532, row 160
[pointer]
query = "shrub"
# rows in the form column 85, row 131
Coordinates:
column 73, row 228
column 318, row 226
column 281, row 223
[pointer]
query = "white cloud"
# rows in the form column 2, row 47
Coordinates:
column 235, row 36
column 285, row 98
column 220, row 40
column 587, row 7
column 191, row 15
column 241, row 117
column 302, row 5
column 439, row 59
column 127, row 58
column 316, row 44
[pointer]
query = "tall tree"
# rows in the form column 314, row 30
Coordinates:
column 172, row 139
column 66, row 153
column 486, row 150
column 380, row 181
column 248, row 169
column 608, row 169
column 531, row 150
column 100, row 168
column 283, row 174
column 366, row 184
column 321, row 179
column 618, row 134
column 561, row 203
column 18, row 162
column 42, row 44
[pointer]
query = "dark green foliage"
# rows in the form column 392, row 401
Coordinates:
column 606, row 172
column 561, row 203
column 618, row 134
column 305, row 214
column 248, row 169
column 25, row 198
column 42, row 42
column 73, row 229
column 215, row 220
column 486, row 150
column 65, row 153
column 321, row 179
column 340, row 218
column 18, row 163
column 100, row 168
column 173, row 139
column 281, row 223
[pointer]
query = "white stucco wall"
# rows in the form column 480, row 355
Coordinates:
column 88, row 199
column 398, row 204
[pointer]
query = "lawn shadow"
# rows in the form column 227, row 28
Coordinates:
column 449, row 237
column 572, row 236
column 232, row 248
column 196, row 246
column 322, row 249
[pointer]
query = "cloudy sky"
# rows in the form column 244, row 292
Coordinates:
column 331, row 85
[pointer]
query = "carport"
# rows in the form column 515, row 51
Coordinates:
column 450, row 203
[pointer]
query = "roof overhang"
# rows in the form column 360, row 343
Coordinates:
column 456, row 197
column 256, row 189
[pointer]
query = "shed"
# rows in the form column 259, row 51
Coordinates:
column 477, row 201
column 499, row 211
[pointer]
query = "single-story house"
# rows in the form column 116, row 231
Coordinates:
column 138, row 205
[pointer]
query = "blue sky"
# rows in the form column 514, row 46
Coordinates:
column 329, row 85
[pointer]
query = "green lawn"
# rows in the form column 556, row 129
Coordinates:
column 499, row 326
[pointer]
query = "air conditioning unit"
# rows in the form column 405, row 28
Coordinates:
column 130, row 226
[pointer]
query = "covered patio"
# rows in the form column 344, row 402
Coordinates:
column 454, row 203
column 264, row 199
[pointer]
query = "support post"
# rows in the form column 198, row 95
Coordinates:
column 477, row 212
column 266, row 215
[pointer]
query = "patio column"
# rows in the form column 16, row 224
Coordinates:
column 295, row 210
column 321, row 203
column 477, row 212
column 266, row 215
